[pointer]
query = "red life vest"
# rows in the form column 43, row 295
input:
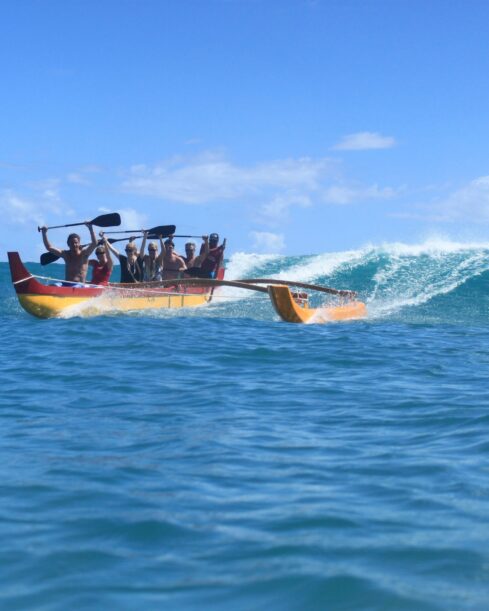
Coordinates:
column 211, row 262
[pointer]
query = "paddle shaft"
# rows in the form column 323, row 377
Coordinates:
column 49, row 257
column 163, row 230
column 104, row 220
column 187, row 236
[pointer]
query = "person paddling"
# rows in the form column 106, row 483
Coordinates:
column 131, row 264
column 152, row 262
column 172, row 263
column 102, row 265
column 196, row 261
column 76, row 258
column 214, row 257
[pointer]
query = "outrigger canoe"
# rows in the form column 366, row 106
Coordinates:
column 48, row 301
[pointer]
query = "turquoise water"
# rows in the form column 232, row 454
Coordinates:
column 222, row 459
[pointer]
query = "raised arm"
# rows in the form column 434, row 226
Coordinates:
column 205, row 251
column 110, row 247
column 93, row 244
column 110, row 263
column 143, row 245
column 161, row 256
column 48, row 245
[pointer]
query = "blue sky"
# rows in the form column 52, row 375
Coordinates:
column 288, row 126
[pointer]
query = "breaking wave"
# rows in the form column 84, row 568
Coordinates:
column 435, row 281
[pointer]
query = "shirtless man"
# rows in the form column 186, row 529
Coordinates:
column 190, row 259
column 76, row 258
column 172, row 263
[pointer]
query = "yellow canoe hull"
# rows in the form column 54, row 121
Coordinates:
column 290, row 311
column 52, row 306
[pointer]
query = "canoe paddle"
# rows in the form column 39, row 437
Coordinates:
column 104, row 220
column 187, row 236
column 49, row 257
column 163, row 230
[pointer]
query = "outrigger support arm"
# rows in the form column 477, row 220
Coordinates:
column 198, row 282
column 248, row 283
column 300, row 285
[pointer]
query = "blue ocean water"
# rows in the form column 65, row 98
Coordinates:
column 221, row 459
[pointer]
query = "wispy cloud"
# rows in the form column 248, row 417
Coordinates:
column 342, row 194
column 362, row 141
column 77, row 179
column 278, row 207
column 41, row 201
column 19, row 209
column 211, row 177
column 79, row 176
column 266, row 242
column 470, row 203
column 271, row 187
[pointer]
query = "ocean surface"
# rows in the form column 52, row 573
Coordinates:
column 221, row 459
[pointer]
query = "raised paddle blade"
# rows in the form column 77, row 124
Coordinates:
column 162, row 230
column 48, row 257
column 107, row 220
column 104, row 220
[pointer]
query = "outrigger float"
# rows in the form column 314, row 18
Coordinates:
column 51, row 301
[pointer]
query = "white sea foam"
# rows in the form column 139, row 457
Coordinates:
column 242, row 264
column 405, row 275
column 415, row 274
column 392, row 276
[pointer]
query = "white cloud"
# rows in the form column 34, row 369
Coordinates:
column 363, row 141
column 266, row 242
column 77, row 178
column 468, row 203
column 18, row 209
column 338, row 194
column 271, row 187
column 277, row 208
column 133, row 220
column 211, row 177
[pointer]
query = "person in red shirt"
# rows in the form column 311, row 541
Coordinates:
column 102, row 265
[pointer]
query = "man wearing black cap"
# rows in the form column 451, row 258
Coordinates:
column 214, row 257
